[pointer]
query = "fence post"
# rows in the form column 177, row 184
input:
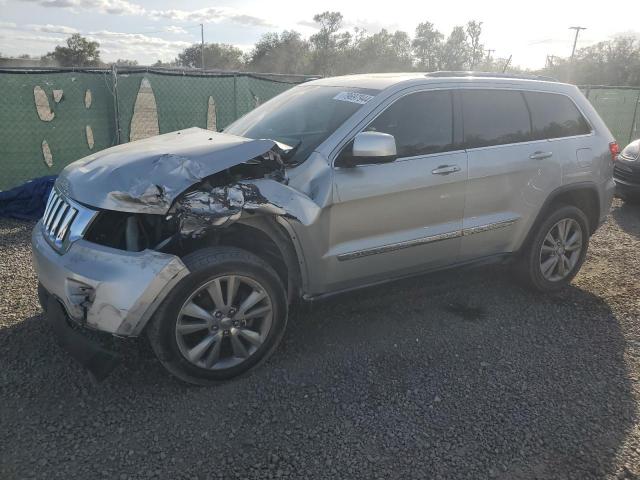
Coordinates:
column 235, row 97
column 116, row 105
column 635, row 116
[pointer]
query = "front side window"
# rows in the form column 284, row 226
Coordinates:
column 422, row 123
column 555, row 116
column 494, row 117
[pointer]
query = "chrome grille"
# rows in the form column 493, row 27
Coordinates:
column 64, row 221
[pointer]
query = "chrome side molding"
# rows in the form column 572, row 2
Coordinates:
column 392, row 247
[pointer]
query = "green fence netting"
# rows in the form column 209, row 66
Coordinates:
column 618, row 107
column 51, row 118
column 41, row 139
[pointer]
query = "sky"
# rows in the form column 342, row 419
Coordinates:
column 147, row 30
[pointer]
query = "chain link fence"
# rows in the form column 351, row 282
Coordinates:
column 52, row 117
column 618, row 107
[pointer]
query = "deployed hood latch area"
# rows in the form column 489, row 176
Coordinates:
column 200, row 210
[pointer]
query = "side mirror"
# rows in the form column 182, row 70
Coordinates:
column 374, row 147
column 368, row 148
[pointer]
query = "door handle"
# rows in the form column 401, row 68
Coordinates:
column 446, row 169
column 540, row 155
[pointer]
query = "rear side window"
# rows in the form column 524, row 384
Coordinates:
column 494, row 117
column 555, row 116
column 421, row 123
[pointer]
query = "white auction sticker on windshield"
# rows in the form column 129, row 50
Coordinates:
column 353, row 97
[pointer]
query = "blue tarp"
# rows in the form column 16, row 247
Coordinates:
column 27, row 201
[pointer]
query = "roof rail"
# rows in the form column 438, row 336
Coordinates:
column 462, row 73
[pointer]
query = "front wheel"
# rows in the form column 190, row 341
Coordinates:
column 224, row 318
column 557, row 250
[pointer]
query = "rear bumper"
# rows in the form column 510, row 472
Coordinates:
column 103, row 288
column 606, row 199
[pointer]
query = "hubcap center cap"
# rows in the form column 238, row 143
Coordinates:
column 226, row 323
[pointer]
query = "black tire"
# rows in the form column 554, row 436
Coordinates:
column 529, row 265
column 205, row 265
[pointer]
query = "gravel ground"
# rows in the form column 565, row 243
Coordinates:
column 455, row 375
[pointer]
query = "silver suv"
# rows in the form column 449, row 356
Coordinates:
column 202, row 241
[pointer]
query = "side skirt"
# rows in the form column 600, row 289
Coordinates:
column 488, row 260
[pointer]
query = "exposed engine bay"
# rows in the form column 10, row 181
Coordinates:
column 220, row 183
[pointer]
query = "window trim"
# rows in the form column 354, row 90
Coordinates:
column 584, row 117
column 337, row 147
column 519, row 93
column 522, row 91
column 456, row 125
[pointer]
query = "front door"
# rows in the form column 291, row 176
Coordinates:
column 396, row 218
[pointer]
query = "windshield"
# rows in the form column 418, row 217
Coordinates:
column 302, row 117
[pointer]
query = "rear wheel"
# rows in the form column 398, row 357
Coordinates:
column 557, row 250
column 223, row 319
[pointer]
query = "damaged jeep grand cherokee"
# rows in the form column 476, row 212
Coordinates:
column 202, row 241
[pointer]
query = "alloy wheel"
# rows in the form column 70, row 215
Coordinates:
column 224, row 322
column 561, row 249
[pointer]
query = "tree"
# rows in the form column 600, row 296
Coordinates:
column 123, row 62
column 427, row 47
column 327, row 42
column 287, row 52
column 455, row 52
column 613, row 62
column 79, row 52
column 381, row 52
column 476, row 54
column 160, row 63
column 218, row 56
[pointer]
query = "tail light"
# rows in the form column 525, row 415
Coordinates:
column 614, row 148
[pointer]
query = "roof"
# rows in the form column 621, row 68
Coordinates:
column 380, row 81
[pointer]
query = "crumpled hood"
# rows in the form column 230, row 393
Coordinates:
column 146, row 176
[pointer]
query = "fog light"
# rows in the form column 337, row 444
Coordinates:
column 79, row 294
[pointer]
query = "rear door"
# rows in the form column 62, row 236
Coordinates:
column 511, row 172
column 556, row 118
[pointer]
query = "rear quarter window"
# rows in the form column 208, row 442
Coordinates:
column 494, row 117
column 555, row 116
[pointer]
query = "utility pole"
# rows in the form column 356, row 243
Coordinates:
column 489, row 52
column 550, row 60
column 506, row 65
column 573, row 52
column 575, row 40
column 202, row 45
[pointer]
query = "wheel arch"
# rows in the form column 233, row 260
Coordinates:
column 582, row 195
column 263, row 236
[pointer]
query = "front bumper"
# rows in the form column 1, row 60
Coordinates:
column 89, row 352
column 627, row 188
column 104, row 288
column 627, row 177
